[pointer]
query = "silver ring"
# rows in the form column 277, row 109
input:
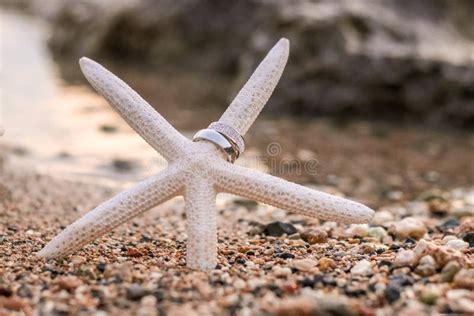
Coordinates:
column 220, row 140
column 231, row 134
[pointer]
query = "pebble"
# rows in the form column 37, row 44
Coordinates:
column 378, row 233
column 315, row 236
column 457, row 244
column 77, row 260
column 69, row 282
column 392, row 293
column 357, row 230
column 449, row 224
column 426, row 266
column 449, row 271
column 465, row 279
column 461, row 301
column 382, row 218
column 430, row 294
column 281, row 271
column 405, row 258
column 135, row 292
column 134, row 252
column 410, row 227
column 469, row 238
column 229, row 300
column 326, row 263
column 304, row 265
column 362, row 267
column 448, row 238
column 13, row 303
column 278, row 228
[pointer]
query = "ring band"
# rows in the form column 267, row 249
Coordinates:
column 220, row 140
column 230, row 133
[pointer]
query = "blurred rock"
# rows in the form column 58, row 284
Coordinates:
column 392, row 59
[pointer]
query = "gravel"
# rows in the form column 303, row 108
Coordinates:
column 406, row 263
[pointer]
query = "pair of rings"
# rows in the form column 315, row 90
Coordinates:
column 225, row 137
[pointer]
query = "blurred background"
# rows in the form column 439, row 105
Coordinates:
column 379, row 94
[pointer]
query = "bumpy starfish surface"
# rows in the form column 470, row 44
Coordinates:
column 198, row 170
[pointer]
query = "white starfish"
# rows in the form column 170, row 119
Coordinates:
column 197, row 170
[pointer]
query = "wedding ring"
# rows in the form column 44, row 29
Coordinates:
column 231, row 134
column 220, row 140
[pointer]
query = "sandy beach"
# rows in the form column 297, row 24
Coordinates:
column 416, row 257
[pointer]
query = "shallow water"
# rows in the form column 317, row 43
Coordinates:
column 68, row 130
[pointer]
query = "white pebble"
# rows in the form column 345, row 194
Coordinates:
column 410, row 227
column 362, row 267
column 405, row 258
column 457, row 244
column 304, row 265
column 357, row 230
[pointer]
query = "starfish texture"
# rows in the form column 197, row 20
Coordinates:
column 197, row 170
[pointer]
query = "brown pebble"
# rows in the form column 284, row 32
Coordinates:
column 326, row 264
column 13, row 303
column 315, row 236
column 134, row 252
column 465, row 279
column 69, row 282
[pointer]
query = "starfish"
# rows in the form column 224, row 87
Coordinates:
column 197, row 170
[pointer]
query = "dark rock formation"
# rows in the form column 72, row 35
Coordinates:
column 394, row 59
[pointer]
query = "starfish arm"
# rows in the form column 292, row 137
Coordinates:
column 289, row 196
column 135, row 110
column 119, row 209
column 248, row 103
column 200, row 199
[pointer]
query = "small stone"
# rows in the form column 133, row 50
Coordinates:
column 78, row 260
column 68, row 283
column 304, row 265
column 362, row 267
column 457, row 244
column 13, row 303
column 438, row 205
column 469, row 238
column 461, row 301
column 278, row 228
column 134, row 252
column 357, row 230
column 430, row 295
column 392, row 293
column 465, row 279
column 448, row 238
column 106, row 128
column 122, row 165
column 285, row 255
column 377, row 232
column 449, row 271
column 326, row 263
column 421, row 247
column 101, row 267
column 281, row 271
column 229, row 300
column 315, row 236
column 410, row 227
column 426, row 266
column 240, row 284
column 449, row 224
column 467, row 226
column 382, row 218
column 405, row 258
column 5, row 291
column 149, row 301
column 135, row 292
